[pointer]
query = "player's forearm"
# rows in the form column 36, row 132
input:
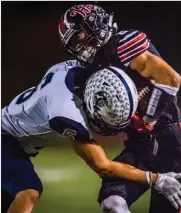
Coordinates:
column 125, row 171
column 95, row 157
column 161, row 72
column 167, row 83
column 153, row 67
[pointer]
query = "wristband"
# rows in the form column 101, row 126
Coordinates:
column 149, row 178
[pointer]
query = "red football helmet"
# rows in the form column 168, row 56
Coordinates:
column 84, row 29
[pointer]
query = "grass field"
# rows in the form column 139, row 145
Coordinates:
column 69, row 184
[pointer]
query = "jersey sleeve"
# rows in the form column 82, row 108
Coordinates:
column 65, row 118
column 63, row 115
column 69, row 128
column 131, row 44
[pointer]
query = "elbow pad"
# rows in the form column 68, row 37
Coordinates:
column 162, row 95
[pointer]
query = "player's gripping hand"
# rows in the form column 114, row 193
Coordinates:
column 168, row 185
column 138, row 124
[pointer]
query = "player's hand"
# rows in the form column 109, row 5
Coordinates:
column 138, row 124
column 168, row 185
column 174, row 175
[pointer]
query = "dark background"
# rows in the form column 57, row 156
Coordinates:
column 31, row 44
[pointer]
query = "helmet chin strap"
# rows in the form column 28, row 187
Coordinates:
column 86, row 55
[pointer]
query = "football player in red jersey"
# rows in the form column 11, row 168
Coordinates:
column 154, row 136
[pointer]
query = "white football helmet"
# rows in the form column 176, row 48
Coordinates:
column 111, row 99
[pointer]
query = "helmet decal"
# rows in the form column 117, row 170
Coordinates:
column 82, row 10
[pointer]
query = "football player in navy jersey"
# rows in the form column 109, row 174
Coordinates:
column 154, row 135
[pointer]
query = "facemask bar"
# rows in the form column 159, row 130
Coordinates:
column 81, row 51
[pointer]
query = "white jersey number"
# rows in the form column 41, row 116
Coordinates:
column 28, row 93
